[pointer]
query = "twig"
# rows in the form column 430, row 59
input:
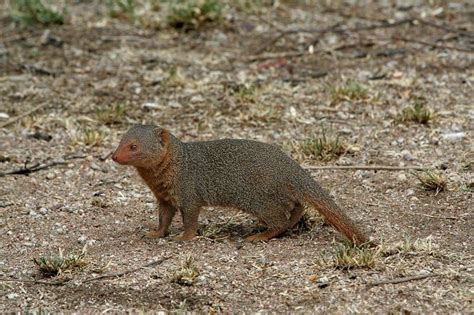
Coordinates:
column 425, row 43
column 289, row 54
column 106, row 276
column 59, row 282
column 445, row 28
column 367, row 168
column 122, row 273
column 400, row 280
column 434, row 216
column 29, row 112
column 38, row 167
column 334, row 29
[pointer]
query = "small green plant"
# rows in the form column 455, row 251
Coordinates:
column 36, row 12
column 193, row 14
column 124, row 9
column 324, row 148
column 432, row 180
column 187, row 273
column 349, row 256
column 90, row 137
column 417, row 113
column 111, row 115
column 56, row 264
column 350, row 91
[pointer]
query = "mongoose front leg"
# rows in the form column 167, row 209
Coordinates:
column 166, row 214
column 190, row 222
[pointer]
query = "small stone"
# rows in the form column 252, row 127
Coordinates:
column 43, row 211
column 410, row 192
column 82, row 239
column 322, row 282
column 407, row 155
column 402, row 177
column 455, row 136
column 50, row 176
column 33, row 213
column 12, row 296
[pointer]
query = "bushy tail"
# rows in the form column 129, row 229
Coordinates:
column 336, row 217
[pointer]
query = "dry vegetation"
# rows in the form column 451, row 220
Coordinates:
column 331, row 82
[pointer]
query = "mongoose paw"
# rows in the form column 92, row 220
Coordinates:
column 257, row 237
column 155, row 234
column 184, row 237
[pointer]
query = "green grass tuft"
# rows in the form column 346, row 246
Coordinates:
column 124, row 9
column 417, row 113
column 193, row 14
column 36, row 12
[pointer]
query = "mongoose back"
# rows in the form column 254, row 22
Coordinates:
column 252, row 176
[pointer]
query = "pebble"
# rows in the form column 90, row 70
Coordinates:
column 33, row 213
column 82, row 239
column 455, row 136
column 407, row 155
column 12, row 296
column 409, row 192
column 402, row 177
column 43, row 211
column 50, row 176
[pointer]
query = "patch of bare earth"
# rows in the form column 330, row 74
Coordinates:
column 278, row 73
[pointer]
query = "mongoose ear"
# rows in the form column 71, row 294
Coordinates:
column 164, row 136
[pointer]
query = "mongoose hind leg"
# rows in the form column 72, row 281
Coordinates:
column 272, row 232
column 190, row 223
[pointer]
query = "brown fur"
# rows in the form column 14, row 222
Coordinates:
column 251, row 176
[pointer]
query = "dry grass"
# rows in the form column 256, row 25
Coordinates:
column 90, row 137
column 324, row 148
column 56, row 264
column 350, row 91
column 187, row 273
column 112, row 114
column 349, row 256
column 432, row 180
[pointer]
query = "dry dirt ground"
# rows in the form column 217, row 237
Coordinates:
column 278, row 72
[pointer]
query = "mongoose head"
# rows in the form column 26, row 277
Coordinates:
column 142, row 146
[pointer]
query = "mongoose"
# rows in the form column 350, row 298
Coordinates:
column 252, row 176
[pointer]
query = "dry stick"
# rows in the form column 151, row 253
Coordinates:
column 14, row 119
column 425, row 43
column 334, row 28
column 122, row 273
column 434, row 216
column 445, row 28
column 38, row 167
column 400, row 280
column 367, row 168
column 106, row 276
column 60, row 282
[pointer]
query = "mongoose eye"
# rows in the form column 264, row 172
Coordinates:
column 133, row 147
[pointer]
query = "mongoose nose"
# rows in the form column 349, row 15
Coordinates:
column 114, row 157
